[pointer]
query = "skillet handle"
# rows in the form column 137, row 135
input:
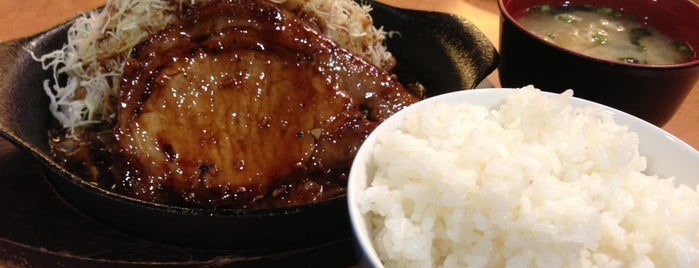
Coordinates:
column 18, row 98
column 24, row 115
column 454, row 53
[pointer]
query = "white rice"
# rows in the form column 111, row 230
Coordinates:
column 532, row 183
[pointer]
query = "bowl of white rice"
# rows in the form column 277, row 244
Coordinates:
column 523, row 178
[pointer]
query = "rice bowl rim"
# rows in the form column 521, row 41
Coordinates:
column 666, row 154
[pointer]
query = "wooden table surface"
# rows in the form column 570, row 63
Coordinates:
column 25, row 17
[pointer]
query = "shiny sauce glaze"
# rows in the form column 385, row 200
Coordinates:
column 243, row 105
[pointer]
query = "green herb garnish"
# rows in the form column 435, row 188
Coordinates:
column 684, row 49
column 543, row 8
column 605, row 10
column 630, row 60
column 567, row 18
column 599, row 38
column 637, row 34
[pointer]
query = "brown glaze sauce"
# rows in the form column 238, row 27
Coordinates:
column 239, row 105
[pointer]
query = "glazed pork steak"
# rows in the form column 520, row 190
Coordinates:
column 242, row 102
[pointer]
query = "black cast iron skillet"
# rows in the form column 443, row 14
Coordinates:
column 443, row 52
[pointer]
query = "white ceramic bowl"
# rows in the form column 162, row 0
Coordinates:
column 666, row 154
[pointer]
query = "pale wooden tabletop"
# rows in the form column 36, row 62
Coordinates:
column 26, row 17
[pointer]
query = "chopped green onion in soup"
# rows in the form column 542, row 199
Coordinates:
column 604, row 33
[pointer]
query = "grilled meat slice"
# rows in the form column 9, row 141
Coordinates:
column 242, row 104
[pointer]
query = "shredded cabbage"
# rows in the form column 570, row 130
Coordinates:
column 99, row 42
column 350, row 25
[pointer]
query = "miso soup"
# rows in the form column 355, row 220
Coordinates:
column 604, row 33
